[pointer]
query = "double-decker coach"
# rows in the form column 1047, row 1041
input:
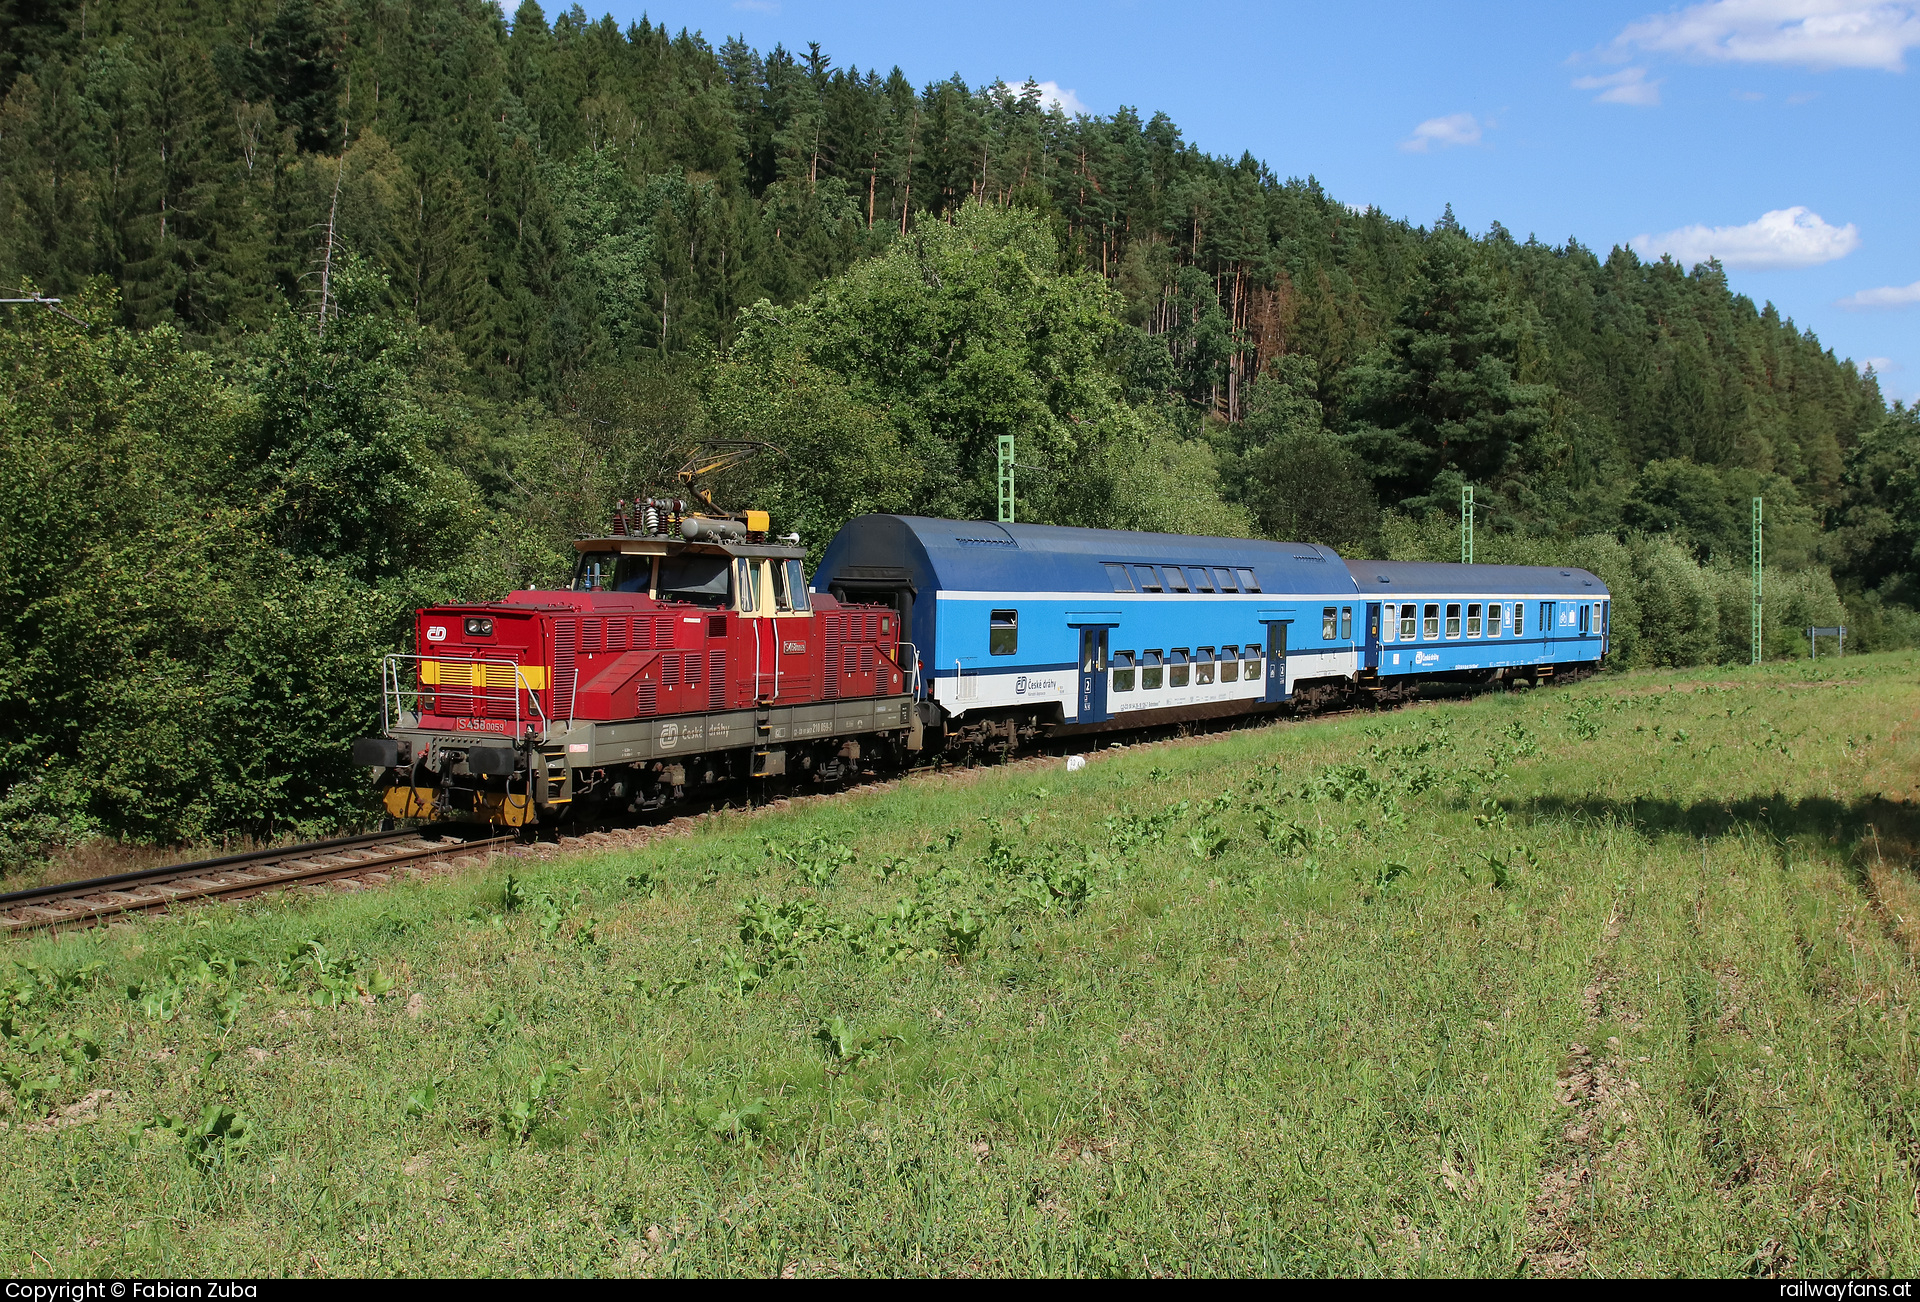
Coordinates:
column 1021, row 629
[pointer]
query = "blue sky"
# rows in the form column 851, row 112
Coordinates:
column 1781, row 134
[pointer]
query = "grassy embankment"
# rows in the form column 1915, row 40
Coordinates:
column 1611, row 979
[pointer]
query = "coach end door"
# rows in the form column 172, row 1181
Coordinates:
column 1371, row 659
column 1093, row 676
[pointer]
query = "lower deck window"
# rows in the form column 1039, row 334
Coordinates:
column 1252, row 653
column 1152, row 675
column 1123, row 671
column 1178, row 667
column 1003, row 632
column 1203, row 666
column 1229, row 664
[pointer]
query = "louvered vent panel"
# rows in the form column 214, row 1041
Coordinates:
column 716, row 680
column 617, row 633
column 873, row 627
column 643, row 634
column 663, row 631
column 690, row 666
column 866, row 659
column 670, row 669
column 647, row 699
column 829, row 650
column 593, row 634
column 849, row 660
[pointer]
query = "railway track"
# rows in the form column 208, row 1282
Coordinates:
column 374, row 859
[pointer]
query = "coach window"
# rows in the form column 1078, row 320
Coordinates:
column 1390, row 626
column 1453, row 620
column 1203, row 667
column 1223, row 580
column 1409, row 614
column 1003, row 632
column 1229, row 664
column 1247, row 582
column 1252, row 662
column 1117, row 576
column 1151, row 673
column 1519, row 619
column 1123, row 671
column 1200, row 577
column 1495, row 613
column 1597, row 619
column 1176, row 581
column 1327, row 618
column 1177, row 665
column 1431, row 629
column 1346, row 623
column 1473, row 620
column 1146, row 579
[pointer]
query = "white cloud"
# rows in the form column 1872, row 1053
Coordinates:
column 1809, row 33
column 1886, row 296
column 1879, row 365
column 1051, row 96
column 1627, row 86
column 1454, row 129
column 1783, row 238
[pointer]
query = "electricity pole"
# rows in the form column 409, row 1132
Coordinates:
column 1006, row 479
column 1759, row 605
column 1466, row 524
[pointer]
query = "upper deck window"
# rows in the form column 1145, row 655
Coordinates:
column 1176, row 581
column 1223, row 579
column 1247, row 582
column 1117, row 576
column 1146, row 578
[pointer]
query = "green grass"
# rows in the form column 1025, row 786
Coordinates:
column 1609, row 979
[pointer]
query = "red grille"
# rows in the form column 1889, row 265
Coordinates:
column 716, row 680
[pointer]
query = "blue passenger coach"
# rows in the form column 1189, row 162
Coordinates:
column 1018, row 628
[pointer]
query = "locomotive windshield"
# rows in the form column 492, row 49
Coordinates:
column 612, row 572
column 700, row 580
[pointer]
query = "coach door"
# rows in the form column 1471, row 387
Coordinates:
column 1093, row 676
column 1276, row 661
column 1371, row 659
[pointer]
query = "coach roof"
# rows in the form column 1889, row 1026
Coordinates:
column 1437, row 578
column 974, row 556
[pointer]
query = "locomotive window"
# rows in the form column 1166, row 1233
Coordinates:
column 1408, row 616
column 1495, row 613
column 1202, row 580
column 1203, row 666
column 1229, row 664
column 693, row 578
column 1453, row 619
column 1123, row 671
column 790, row 586
column 1177, row 667
column 1176, row 581
column 1432, row 621
column 1223, row 579
column 1003, row 632
column 1117, row 576
column 1327, row 618
column 1473, row 620
column 1346, row 623
column 1247, row 582
column 1146, row 578
column 611, row 572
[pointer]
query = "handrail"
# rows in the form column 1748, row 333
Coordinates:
column 396, row 694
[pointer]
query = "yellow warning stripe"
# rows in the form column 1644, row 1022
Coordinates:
column 458, row 673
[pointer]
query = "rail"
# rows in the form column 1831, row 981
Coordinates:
column 374, row 855
column 481, row 687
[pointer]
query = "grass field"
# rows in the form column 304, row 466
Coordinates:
column 1608, row 979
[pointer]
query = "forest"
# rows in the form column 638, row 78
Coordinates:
column 365, row 305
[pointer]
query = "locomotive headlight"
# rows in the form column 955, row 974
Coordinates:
column 479, row 628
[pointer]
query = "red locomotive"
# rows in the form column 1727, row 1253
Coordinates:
column 688, row 650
